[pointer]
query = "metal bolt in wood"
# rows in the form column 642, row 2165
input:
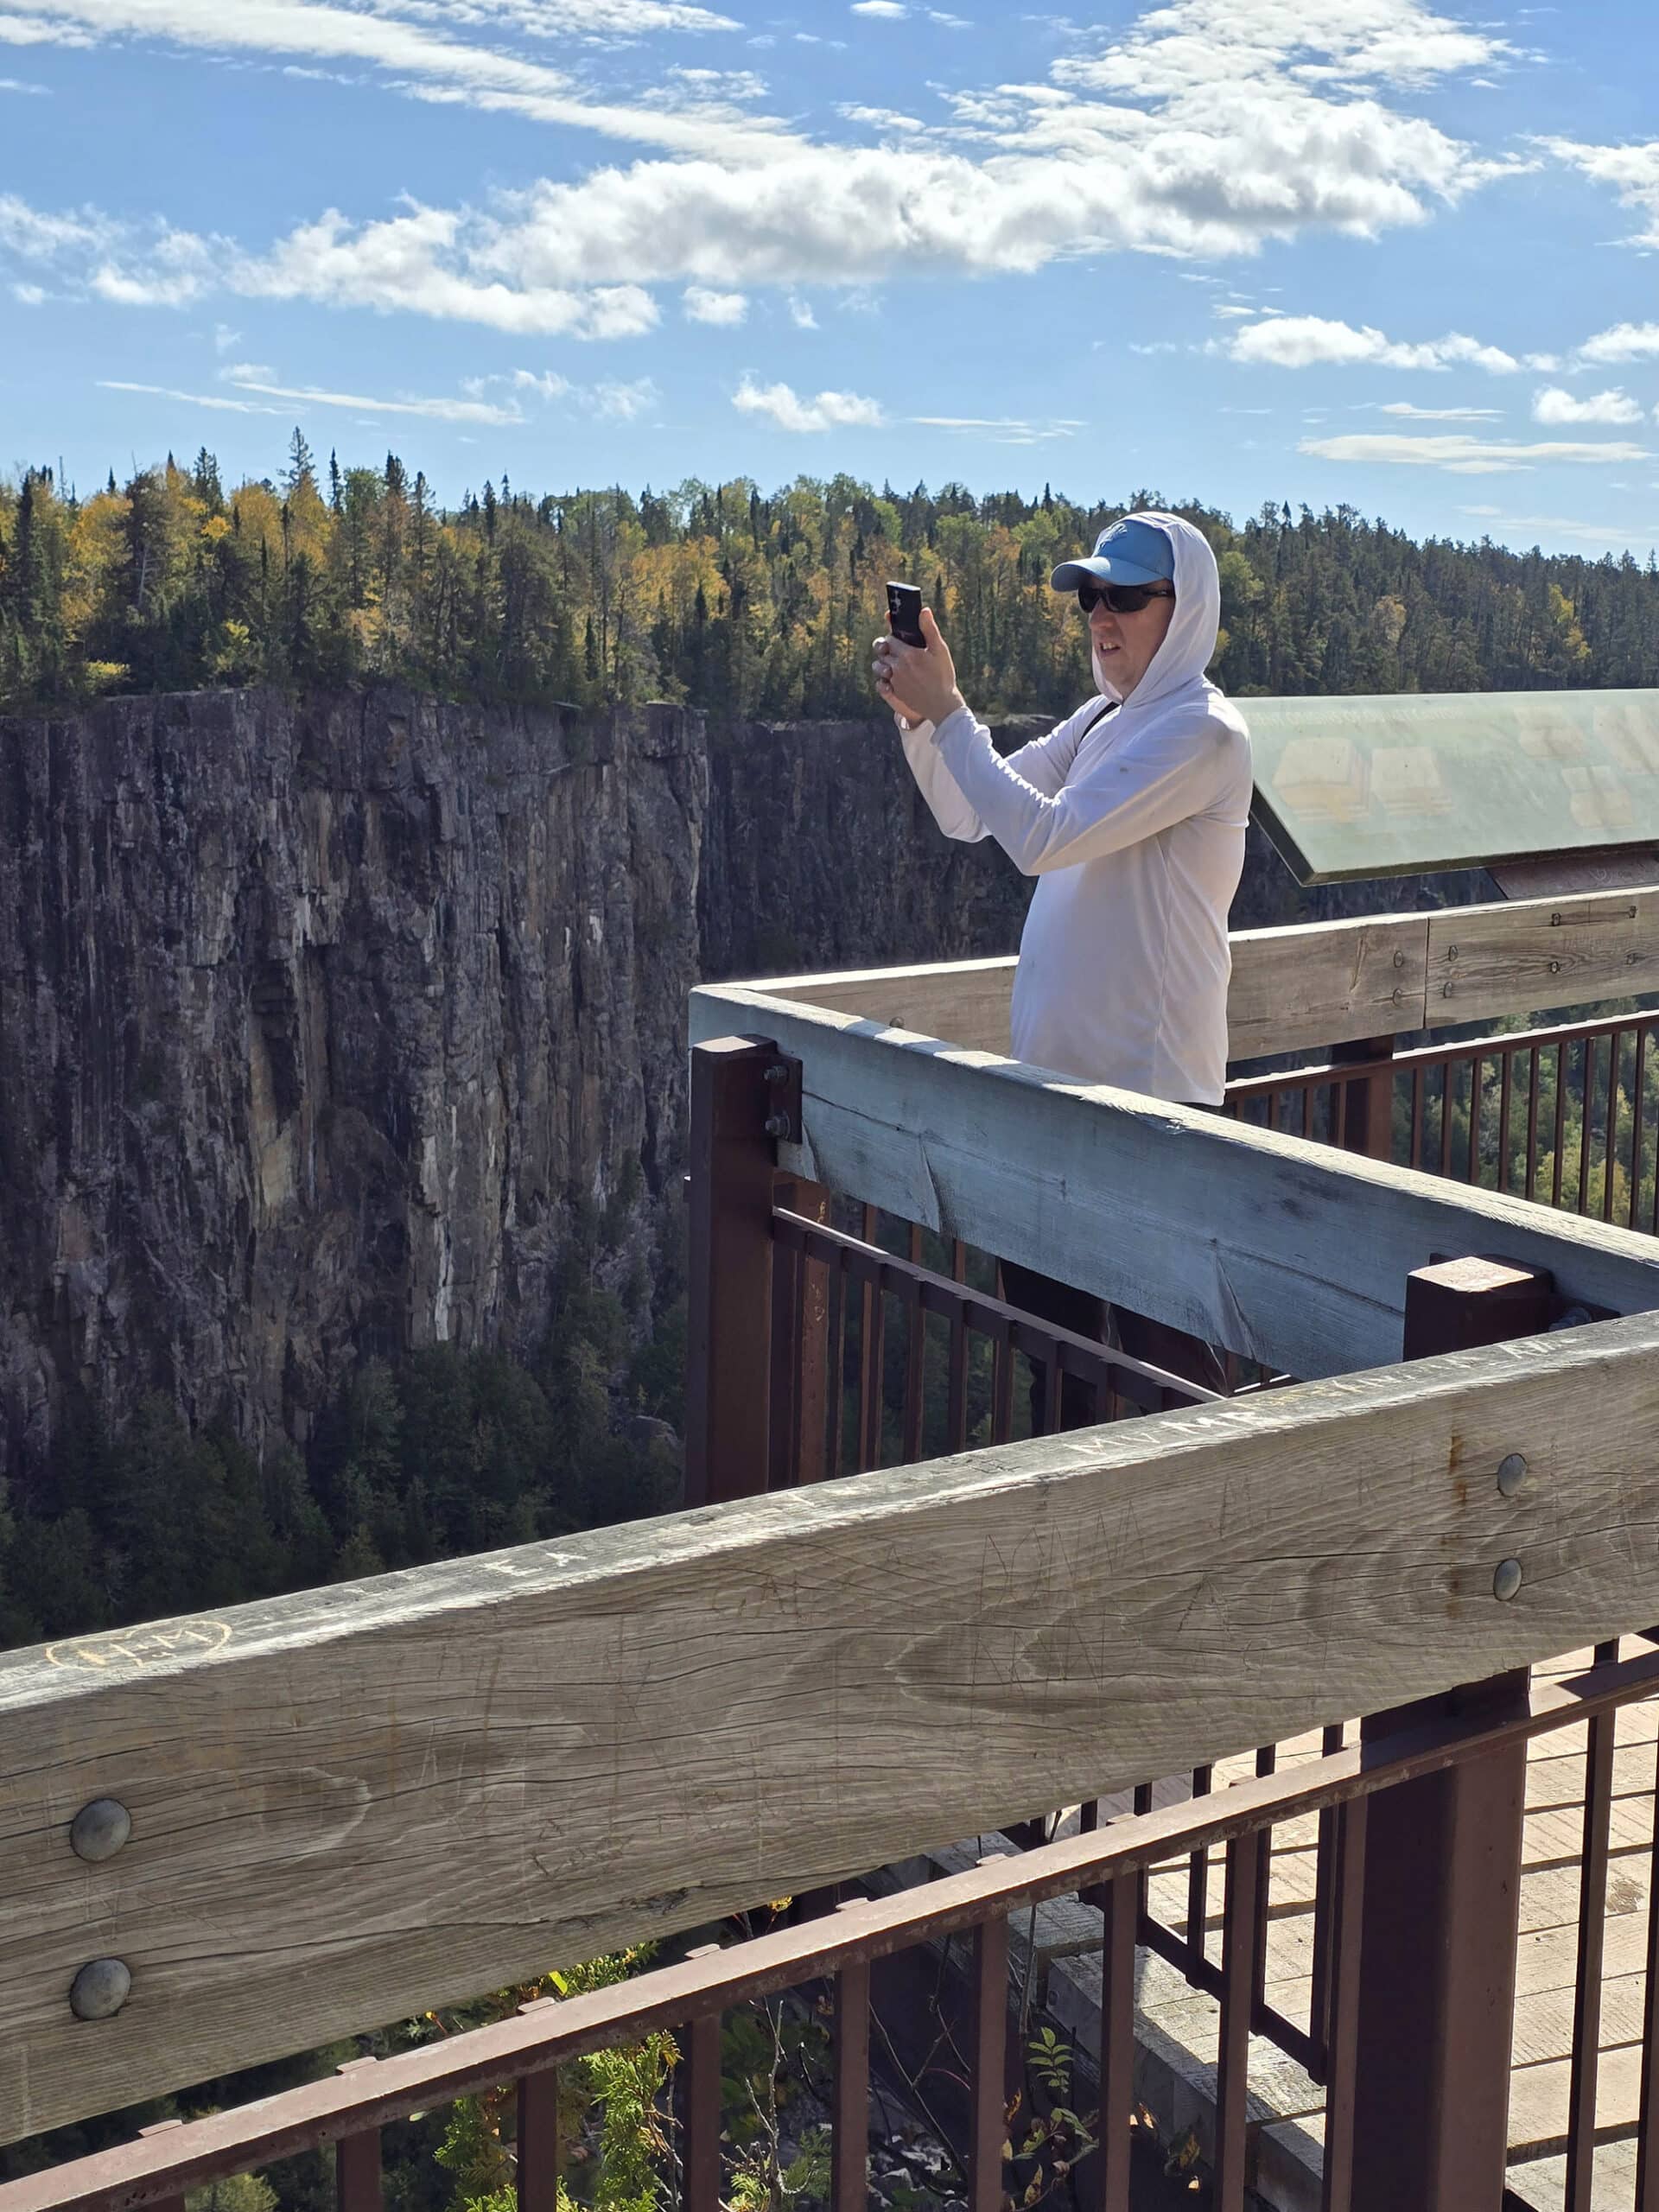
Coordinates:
column 99, row 1829
column 1507, row 1580
column 1511, row 1473
column 100, row 1989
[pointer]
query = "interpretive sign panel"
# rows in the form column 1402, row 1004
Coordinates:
column 1351, row 788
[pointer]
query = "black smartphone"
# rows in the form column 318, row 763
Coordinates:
column 904, row 614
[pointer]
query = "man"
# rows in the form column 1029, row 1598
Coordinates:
column 1132, row 816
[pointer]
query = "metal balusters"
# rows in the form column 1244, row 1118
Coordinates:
column 987, row 2064
column 1119, row 1902
column 1560, row 1122
column 850, row 2148
column 840, row 1291
column 1416, row 1157
column 1198, row 1877
column 1584, row 1124
column 1647, row 2131
column 1593, row 1914
column 357, row 2157
column 915, row 1361
column 1615, row 1044
column 1341, row 2052
column 357, row 2172
column 869, row 1438
column 1532, row 1124
column 956, row 1377
column 1445, row 1119
column 700, row 2189
column 1477, row 1099
column 1267, row 1762
column 1506, row 1062
column 788, row 1367
column 1324, row 1875
column 539, row 2150
column 1001, row 1387
column 1638, row 1105
column 1237, row 1963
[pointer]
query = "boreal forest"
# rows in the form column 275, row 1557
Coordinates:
column 741, row 602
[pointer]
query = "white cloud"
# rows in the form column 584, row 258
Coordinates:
column 18, row 84
column 1463, row 456
column 251, row 377
column 1554, row 406
column 826, row 410
column 546, row 384
column 1621, row 534
column 33, row 235
column 438, row 262
column 801, row 314
column 1625, row 341
column 29, row 295
column 1302, row 342
column 882, row 118
column 1632, row 172
column 420, row 61
column 702, row 305
column 1215, row 44
column 1210, row 129
column 19, row 29
column 217, row 401
column 622, row 402
column 885, row 11
column 1000, row 429
column 1414, row 414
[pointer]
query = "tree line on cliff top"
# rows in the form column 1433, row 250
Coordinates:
column 728, row 598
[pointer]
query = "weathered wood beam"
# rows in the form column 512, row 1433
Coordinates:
column 965, row 1001
column 354, row 1803
column 1298, row 987
column 1284, row 1251
column 1538, row 953
column 1319, row 983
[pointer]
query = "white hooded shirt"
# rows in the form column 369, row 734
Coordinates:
column 1135, row 829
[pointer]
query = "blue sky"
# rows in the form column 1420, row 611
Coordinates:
column 1376, row 252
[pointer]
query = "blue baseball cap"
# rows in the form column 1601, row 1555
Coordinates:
column 1126, row 552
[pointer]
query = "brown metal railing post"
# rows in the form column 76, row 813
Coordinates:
column 1441, row 1886
column 728, row 1295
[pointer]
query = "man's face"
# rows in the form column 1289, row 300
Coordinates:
column 1125, row 645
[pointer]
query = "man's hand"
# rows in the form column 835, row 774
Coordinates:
column 919, row 682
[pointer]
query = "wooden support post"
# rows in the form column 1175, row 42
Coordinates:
column 1441, row 1891
column 728, row 1301
column 1368, row 1102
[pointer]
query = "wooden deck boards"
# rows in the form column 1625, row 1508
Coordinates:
column 1546, row 1967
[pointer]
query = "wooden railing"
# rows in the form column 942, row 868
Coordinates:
column 1307, row 986
column 829, row 1961
column 348, row 1806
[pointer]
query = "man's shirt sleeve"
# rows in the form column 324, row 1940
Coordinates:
column 1134, row 790
column 1042, row 764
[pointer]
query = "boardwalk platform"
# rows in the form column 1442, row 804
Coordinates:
column 1055, row 1963
column 1179, row 2025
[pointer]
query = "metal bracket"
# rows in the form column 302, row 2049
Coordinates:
column 782, row 1077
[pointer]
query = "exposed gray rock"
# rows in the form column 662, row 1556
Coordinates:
column 317, row 1021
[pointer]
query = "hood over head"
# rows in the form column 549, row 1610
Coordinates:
column 1189, row 645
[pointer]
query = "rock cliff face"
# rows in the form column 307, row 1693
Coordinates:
column 317, row 1021
column 321, row 1020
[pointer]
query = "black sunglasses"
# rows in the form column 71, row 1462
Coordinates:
column 1118, row 598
